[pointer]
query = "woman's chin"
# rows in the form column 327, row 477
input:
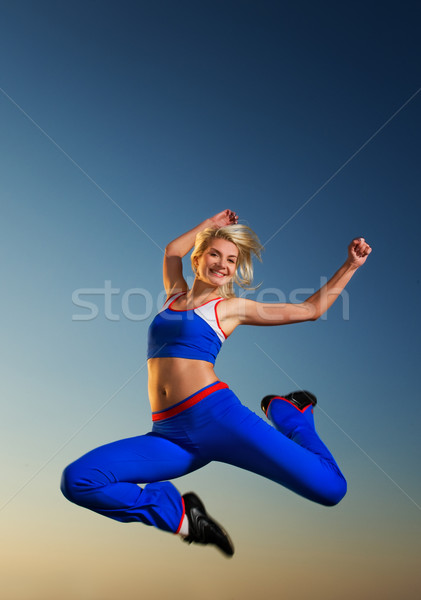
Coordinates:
column 218, row 281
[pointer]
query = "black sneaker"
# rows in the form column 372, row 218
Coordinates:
column 301, row 399
column 202, row 528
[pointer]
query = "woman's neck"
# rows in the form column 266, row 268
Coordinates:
column 202, row 292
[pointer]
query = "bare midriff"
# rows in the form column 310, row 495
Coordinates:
column 171, row 380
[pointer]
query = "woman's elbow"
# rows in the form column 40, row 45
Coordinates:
column 310, row 312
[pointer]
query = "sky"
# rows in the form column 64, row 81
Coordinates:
column 123, row 124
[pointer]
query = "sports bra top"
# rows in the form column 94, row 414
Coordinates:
column 194, row 333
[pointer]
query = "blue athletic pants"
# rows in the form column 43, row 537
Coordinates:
column 211, row 425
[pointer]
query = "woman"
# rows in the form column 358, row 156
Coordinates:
column 196, row 418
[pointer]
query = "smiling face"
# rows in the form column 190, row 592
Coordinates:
column 218, row 263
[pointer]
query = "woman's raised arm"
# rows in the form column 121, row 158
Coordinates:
column 173, row 266
column 247, row 312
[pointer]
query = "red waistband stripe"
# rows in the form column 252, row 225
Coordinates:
column 189, row 402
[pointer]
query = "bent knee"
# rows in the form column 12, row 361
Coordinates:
column 78, row 481
column 69, row 484
column 335, row 493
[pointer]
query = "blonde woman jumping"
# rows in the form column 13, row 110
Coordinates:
column 196, row 418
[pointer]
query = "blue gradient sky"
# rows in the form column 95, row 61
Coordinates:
column 124, row 124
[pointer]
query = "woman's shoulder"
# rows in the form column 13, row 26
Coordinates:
column 176, row 292
column 230, row 307
column 228, row 313
column 237, row 308
column 234, row 301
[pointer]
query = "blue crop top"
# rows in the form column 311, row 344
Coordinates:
column 193, row 333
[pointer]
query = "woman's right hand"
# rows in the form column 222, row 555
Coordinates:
column 224, row 218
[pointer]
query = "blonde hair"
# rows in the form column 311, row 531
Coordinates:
column 247, row 243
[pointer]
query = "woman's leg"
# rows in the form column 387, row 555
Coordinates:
column 292, row 454
column 105, row 480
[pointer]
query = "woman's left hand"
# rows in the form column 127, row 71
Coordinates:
column 358, row 251
column 224, row 218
